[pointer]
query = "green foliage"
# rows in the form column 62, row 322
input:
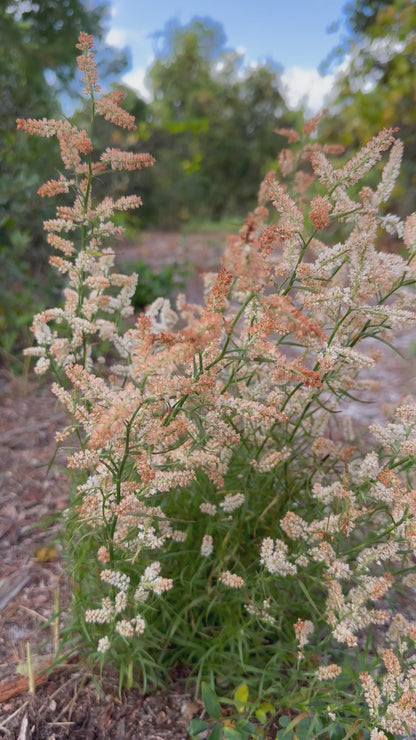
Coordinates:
column 151, row 284
column 44, row 34
column 220, row 727
column 21, row 287
column 309, row 727
column 211, row 126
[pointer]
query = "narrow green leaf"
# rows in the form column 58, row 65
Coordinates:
column 356, row 726
column 197, row 725
column 216, row 733
column 211, row 701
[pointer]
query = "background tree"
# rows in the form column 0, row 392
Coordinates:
column 379, row 86
column 211, row 125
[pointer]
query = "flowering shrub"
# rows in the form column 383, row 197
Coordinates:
column 227, row 513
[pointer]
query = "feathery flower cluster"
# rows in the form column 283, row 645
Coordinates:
column 231, row 579
column 273, row 557
column 232, row 502
column 120, row 160
column 319, row 213
column 371, row 693
column 86, row 64
column 208, row 508
column 328, row 672
column 103, row 615
column 207, row 545
column 239, row 394
column 303, row 628
column 109, row 106
column 103, row 644
column 152, row 581
column 394, row 706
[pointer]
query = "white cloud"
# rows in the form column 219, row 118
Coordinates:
column 117, row 37
column 306, row 86
column 114, row 10
column 136, row 80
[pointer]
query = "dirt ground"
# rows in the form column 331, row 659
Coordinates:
column 70, row 703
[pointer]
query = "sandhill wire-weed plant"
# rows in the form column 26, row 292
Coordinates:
column 227, row 513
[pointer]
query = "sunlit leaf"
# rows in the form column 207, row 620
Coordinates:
column 241, row 697
column 263, row 710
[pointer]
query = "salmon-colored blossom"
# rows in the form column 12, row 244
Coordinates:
column 109, row 106
column 86, row 63
column 319, row 212
column 120, row 160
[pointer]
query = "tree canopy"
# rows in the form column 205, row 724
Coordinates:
column 211, row 123
column 379, row 86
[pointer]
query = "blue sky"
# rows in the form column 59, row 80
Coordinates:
column 291, row 32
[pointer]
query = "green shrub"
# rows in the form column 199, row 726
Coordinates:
column 152, row 284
